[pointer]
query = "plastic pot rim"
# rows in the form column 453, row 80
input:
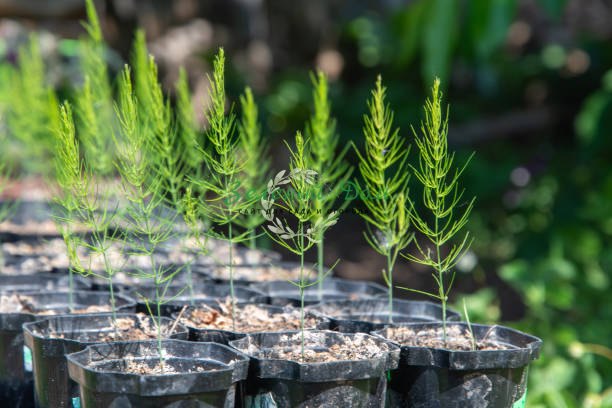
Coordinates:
column 468, row 359
column 295, row 370
column 237, row 368
column 30, row 334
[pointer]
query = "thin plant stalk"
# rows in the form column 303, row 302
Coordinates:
column 446, row 211
column 384, row 171
column 332, row 170
column 297, row 203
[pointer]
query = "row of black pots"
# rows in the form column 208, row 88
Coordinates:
column 425, row 377
column 435, row 377
column 418, row 377
column 15, row 357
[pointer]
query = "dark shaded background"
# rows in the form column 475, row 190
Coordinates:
column 530, row 88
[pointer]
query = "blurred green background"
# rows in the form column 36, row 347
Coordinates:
column 530, row 88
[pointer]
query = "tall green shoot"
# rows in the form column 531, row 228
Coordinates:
column 256, row 170
column 33, row 110
column 384, row 171
column 447, row 212
column 331, row 168
column 94, row 100
column 189, row 136
column 188, row 143
column 85, row 203
column 69, row 173
column 216, row 192
column 298, row 203
column 148, row 229
column 171, row 158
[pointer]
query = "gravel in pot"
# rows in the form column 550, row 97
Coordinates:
column 210, row 293
column 255, row 273
column 283, row 292
column 52, row 338
column 16, row 385
column 213, row 322
column 364, row 316
column 130, row 375
column 488, row 369
column 338, row 369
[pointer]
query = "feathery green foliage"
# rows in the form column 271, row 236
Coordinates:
column 4, row 179
column 333, row 171
column 140, row 65
column 297, row 202
column 385, row 176
column 189, row 138
column 254, row 151
column 84, row 203
column 148, row 229
column 169, row 152
column 73, row 183
column 217, row 193
column 443, row 199
column 94, row 100
column 33, row 110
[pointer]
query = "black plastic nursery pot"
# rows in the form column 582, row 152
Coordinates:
column 52, row 338
column 430, row 377
column 248, row 274
column 202, row 293
column 364, row 316
column 203, row 375
column 23, row 212
column 33, row 255
column 284, row 293
column 221, row 336
column 284, row 383
column 241, row 256
column 38, row 282
column 16, row 384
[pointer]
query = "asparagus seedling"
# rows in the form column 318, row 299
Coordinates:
column 331, row 168
column 298, row 203
column 442, row 198
column 385, row 176
column 216, row 193
column 256, row 171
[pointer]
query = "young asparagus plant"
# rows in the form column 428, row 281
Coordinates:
column 385, row 176
column 69, row 174
column 170, row 154
column 443, row 200
column 94, row 101
column 189, row 137
column 84, row 204
column 216, row 193
column 174, row 146
column 33, row 110
column 148, row 228
column 256, row 169
column 332, row 170
column 298, row 202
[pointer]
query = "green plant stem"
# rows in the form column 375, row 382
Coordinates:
column 253, row 239
column 390, row 284
column 441, row 291
column 231, row 273
column 111, row 290
column 190, row 284
column 158, row 302
column 70, row 289
column 320, row 256
column 301, row 235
